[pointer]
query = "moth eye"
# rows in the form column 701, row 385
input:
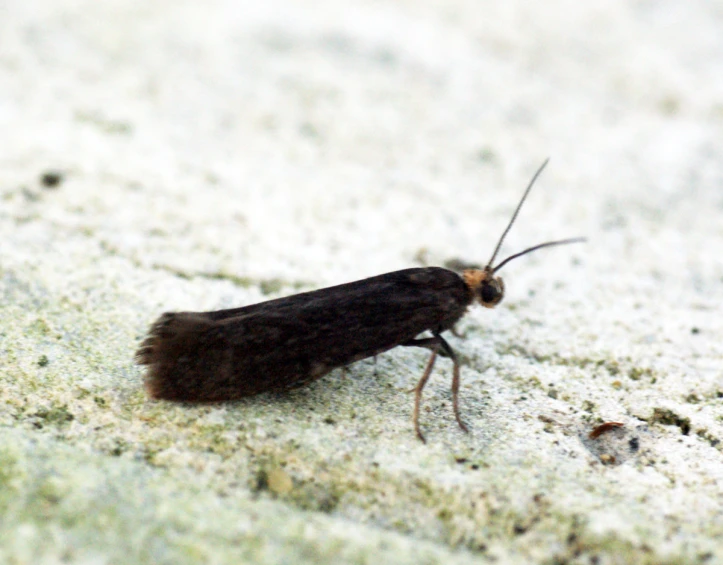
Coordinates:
column 489, row 293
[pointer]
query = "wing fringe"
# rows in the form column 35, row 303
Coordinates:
column 181, row 351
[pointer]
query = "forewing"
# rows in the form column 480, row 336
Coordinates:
column 290, row 341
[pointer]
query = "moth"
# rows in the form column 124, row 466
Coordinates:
column 288, row 342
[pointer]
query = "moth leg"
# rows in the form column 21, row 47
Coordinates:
column 418, row 394
column 431, row 343
column 435, row 343
column 455, row 379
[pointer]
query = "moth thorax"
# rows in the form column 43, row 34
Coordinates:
column 486, row 288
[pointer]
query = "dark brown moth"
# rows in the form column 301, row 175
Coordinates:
column 288, row 342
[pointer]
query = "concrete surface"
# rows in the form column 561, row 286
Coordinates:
column 217, row 154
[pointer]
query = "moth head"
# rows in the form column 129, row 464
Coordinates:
column 487, row 289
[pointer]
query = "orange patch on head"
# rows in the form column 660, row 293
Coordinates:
column 474, row 278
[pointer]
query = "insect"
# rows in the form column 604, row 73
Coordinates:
column 288, row 342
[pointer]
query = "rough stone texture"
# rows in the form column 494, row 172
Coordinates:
column 200, row 155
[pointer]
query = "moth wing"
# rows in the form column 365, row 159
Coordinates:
column 215, row 356
column 192, row 358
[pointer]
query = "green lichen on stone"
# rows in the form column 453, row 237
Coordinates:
column 58, row 416
column 636, row 373
column 706, row 435
column 271, row 286
column 40, row 327
column 669, row 418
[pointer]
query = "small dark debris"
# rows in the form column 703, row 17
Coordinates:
column 117, row 450
column 460, row 460
column 695, row 331
column 262, row 481
column 43, row 361
column 602, row 428
column 51, row 179
column 634, row 444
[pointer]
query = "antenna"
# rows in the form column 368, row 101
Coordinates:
column 536, row 247
column 512, row 221
column 517, row 211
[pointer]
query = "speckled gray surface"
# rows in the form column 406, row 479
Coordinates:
column 216, row 154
